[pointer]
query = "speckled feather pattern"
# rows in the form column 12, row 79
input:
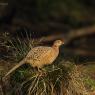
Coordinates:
column 39, row 56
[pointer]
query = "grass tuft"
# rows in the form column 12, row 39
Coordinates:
column 60, row 78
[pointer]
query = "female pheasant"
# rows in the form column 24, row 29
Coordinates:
column 40, row 56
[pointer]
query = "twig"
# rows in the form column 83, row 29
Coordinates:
column 73, row 34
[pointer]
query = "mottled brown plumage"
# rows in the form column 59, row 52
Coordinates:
column 40, row 56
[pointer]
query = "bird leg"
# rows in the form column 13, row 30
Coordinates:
column 41, row 72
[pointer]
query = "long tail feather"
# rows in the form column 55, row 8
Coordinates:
column 14, row 68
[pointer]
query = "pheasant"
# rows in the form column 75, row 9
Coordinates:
column 40, row 56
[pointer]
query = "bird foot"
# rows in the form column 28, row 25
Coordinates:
column 41, row 73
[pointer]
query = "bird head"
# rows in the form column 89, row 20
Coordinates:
column 58, row 43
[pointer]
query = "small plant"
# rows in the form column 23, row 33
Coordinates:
column 59, row 78
column 90, row 83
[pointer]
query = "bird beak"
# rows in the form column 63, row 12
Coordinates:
column 62, row 43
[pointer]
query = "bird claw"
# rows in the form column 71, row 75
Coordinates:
column 41, row 73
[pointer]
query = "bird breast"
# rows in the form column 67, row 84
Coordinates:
column 52, row 56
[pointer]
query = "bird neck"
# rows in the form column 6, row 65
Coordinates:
column 55, row 47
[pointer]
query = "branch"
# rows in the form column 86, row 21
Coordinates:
column 79, row 33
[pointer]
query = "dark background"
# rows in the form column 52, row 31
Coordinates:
column 52, row 19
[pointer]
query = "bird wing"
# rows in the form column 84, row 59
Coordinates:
column 38, row 53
